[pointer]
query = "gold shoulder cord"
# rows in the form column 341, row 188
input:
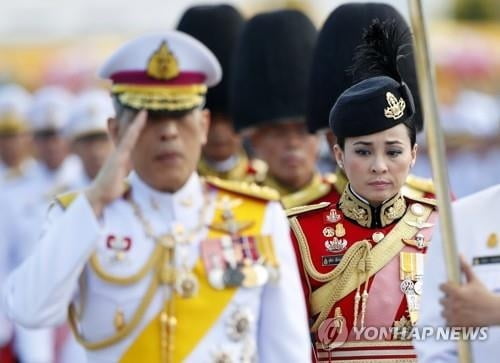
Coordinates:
column 162, row 256
column 358, row 255
column 127, row 328
column 139, row 275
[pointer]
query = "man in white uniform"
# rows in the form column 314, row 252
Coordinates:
column 166, row 267
column 16, row 163
column 87, row 130
column 477, row 302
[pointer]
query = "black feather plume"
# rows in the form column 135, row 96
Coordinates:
column 384, row 43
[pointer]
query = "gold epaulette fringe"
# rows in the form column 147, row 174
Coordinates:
column 305, row 208
column 248, row 189
column 421, row 184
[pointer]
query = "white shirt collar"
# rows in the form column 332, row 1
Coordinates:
column 188, row 198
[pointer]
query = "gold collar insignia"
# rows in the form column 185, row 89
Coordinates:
column 371, row 217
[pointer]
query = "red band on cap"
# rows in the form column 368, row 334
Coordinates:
column 141, row 77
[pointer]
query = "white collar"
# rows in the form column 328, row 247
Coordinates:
column 188, row 197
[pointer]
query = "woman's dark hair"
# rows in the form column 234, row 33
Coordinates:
column 410, row 127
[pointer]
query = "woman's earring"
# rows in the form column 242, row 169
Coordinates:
column 340, row 164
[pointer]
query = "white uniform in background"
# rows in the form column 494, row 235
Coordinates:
column 28, row 203
column 477, row 230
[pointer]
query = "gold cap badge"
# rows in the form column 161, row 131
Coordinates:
column 396, row 107
column 163, row 65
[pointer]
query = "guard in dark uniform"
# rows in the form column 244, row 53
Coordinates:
column 218, row 27
column 268, row 102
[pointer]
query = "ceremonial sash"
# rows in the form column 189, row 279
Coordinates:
column 196, row 316
column 341, row 284
column 384, row 290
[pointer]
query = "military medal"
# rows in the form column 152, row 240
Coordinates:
column 120, row 246
column 418, row 287
column 211, row 252
column 250, row 276
column 419, row 223
column 186, row 284
column 419, row 241
column 328, row 232
column 238, row 324
column 417, row 209
column 335, row 245
column 407, row 272
column 222, row 357
column 332, row 216
column 261, row 273
column 407, row 286
column 411, row 270
column 216, row 278
column 233, row 277
column 340, row 230
column 270, row 262
column 419, row 273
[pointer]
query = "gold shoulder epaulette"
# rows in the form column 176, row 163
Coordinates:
column 305, row 208
column 421, row 184
column 429, row 201
column 249, row 189
column 66, row 199
column 330, row 178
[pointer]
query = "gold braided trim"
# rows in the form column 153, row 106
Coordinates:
column 125, row 331
column 248, row 189
column 361, row 212
column 163, row 90
column 291, row 212
column 118, row 280
column 156, row 102
column 381, row 254
column 316, row 189
column 305, row 255
column 420, row 184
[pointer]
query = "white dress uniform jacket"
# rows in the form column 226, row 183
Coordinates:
column 476, row 220
column 39, row 292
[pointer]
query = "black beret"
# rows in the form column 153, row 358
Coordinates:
column 218, row 27
column 373, row 105
column 272, row 64
column 338, row 39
